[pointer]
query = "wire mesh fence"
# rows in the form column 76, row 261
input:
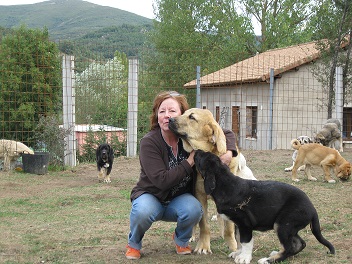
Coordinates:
column 267, row 100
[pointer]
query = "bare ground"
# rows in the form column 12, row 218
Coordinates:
column 69, row 217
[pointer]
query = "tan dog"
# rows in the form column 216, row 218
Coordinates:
column 327, row 158
column 10, row 151
column 199, row 130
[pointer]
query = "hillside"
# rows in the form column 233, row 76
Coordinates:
column 68, row 19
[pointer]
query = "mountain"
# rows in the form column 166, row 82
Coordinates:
column 68, row 19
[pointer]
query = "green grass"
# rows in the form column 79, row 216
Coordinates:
column 68, row 217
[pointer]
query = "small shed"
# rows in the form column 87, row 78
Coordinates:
column 109, row 132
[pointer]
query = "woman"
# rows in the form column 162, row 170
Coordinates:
column 165, row 187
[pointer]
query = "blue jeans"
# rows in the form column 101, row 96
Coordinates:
column 185, row 209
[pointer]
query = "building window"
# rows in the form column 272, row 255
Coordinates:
column 347, row 123
column 251, row 121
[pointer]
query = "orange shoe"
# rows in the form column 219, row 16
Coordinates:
column 132, row 253
column 182, row 250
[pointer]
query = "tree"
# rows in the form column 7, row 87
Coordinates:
column 30, row 81
column 101, row 93
column 333, row 21
column 282, row 22
column 188, row 33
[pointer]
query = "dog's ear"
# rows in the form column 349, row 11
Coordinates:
column 209, row 182
column 218, row 137
column 97, row 152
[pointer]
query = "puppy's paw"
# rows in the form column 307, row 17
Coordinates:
column 107, row 180
column 312, row 179
column 331, row 181
column 234, row 254
column 288, row 169
column 267, row 260
column 295, row 180
column 203, row 247
column 263, row 261
column 243, row 258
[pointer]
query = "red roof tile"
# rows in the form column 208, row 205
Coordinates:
column 257, row 68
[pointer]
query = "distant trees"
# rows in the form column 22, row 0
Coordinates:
column 197, row 32
column 332, row 21
column 101, row 93
column 282, row 22
column 30, row 81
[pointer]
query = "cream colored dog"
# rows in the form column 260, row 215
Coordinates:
column 199, row 130
column 10, row 151
column 316, row 154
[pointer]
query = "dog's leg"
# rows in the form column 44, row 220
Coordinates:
column 294, row 172
column 229, row 234
column 203, row 245
column 290, row 168
column 7, row 162
column 101, row 174
column 193, row 237
column 341, row 144
column 308, row 174
column 327, row 174
column 302, row 168
column 291, row 246
column 244, row 255
column 106, row 175
column 245, row 247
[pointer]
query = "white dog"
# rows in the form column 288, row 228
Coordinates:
column 10, row 151
column 302, row 140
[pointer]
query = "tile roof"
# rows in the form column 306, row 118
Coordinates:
column 257, row 68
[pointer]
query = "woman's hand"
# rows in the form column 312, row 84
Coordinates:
column 226, row 158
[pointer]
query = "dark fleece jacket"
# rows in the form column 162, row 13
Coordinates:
column 156, row 177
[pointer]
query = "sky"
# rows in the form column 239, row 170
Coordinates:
column 139, row 7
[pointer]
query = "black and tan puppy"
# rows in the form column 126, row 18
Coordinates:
column 259, row 205
column 105, row 159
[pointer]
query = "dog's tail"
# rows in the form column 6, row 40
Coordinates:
column 295, row 144
column 315, row 227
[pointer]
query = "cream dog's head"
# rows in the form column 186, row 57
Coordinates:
column 343, row 171
column 198, row 130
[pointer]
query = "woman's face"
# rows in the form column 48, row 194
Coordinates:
column 168, row 108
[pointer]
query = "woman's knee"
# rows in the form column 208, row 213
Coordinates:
column 144, row 207
column 192, row 208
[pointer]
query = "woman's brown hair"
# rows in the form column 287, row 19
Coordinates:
column 161, row 97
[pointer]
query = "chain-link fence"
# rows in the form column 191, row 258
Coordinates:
column 267, row 100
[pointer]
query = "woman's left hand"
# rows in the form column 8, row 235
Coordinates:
column 226, row 158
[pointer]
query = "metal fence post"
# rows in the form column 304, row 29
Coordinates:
column 271, row 108
column 339, row 95
column 132, row 107
column 198, row 87
column 69, row 110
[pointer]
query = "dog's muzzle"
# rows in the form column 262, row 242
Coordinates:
column 173, row 127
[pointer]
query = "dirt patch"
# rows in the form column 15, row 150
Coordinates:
column 69, row 217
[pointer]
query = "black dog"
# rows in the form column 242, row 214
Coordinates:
column 105, row 159
column 259, row 205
